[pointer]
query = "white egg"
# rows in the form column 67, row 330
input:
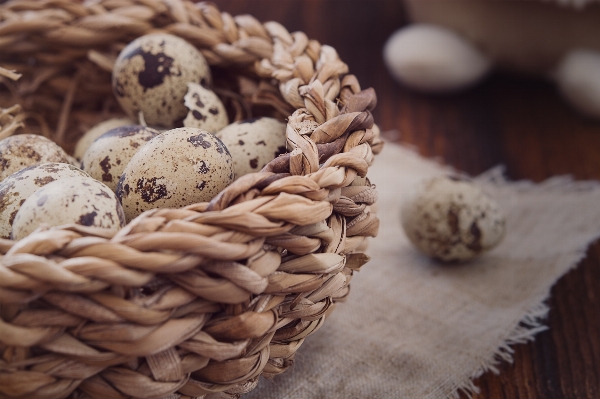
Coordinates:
column 451, row 219
column 78, row 200
column 253, row 143
column 16, row 188
column 106, row 159
column 206, row 111
column 433, row 58
column 578, row 78
column 23, row 150
column 98, row 130
column 151, row 76
column 176, row 168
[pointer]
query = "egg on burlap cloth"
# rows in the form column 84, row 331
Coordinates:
column 452, row 219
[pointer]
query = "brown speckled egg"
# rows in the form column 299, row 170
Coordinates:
column 16, row 188
column 151, row 76
column 79, row 200
column 98, row 130
column 452, row 219
column 206, row 111
column 176, row 168
column 23, row 150
column 253, row 143
column 106, row 159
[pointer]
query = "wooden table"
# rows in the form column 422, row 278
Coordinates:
column 516, row 121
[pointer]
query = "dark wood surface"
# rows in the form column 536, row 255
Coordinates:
column 519, row 122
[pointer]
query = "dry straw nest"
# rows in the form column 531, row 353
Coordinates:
column 198, row 301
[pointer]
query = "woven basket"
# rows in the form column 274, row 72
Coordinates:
column 199, row 301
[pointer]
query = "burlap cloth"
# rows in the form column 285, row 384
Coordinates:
column 412, row 328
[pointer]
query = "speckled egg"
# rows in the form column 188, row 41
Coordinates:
column 106, row 159
column 206, row 111
column 151, row 76
column 79, row 200
column 98, row 130
column 452, row 219
column 176, row 168
column 253, row 143
column 23, row 150
column 16, row 188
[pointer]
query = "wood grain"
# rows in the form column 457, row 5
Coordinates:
column 520, row 122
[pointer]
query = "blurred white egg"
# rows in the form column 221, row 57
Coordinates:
column 578, row 78
column 433, row 59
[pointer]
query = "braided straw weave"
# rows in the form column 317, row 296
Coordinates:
column 195, row 302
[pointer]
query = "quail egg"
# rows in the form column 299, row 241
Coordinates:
column 151, row 76
column 16, row 188
column 176, row 168
column 98, row 130
column 206, row 111
column 452, row 219
column 80, row 200
column 108, row 155
column 253, row 143
column 23, row 150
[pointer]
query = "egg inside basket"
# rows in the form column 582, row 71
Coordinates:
column 202, row 300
